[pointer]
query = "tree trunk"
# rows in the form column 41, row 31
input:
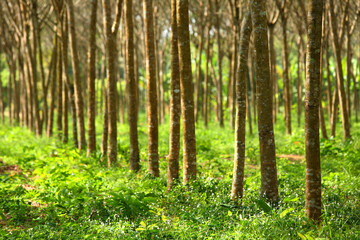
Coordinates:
column 252, row 81
column 334, row 110
column 271, row 27
column 175, row 105
column 298, row 87
column 339, row 75
column 153, row 154
column 111, row 59
column 234, row 62
column 206, row 82
column 33, row 57
column 328, row 79
column 312, row 101
column 219, row 62
column 77, row 80
column 187, row 100
column 49, row 131
column 65, row 113
column 59, row 79
column 132, row 89
column 240, row 127
column 91, row 147
column 285, row 57
column 69, row 84
column 269, row 186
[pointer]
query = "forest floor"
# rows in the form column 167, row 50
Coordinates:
column 48, row 190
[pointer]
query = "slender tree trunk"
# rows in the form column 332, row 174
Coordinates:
column 334, row 110
column 197, row 87
column 111, row 60
column 33, row 57
column 59, row 79
column 219, row 62
column 339, row 75
column 77, row 80
column 2, row 107
column 187, row 100
column 252, row 82
column 273, row 68
column 234, row 62
column 269, row 186
column 299, row 88
column 285, row 56
column 206, row 84
column 248, row 110
column 321, row 109
column 65, row 112
column 49, row 131
column 153, row 154
column 103, row 73
column 105, row 132
column 240, row 127
column 132, row 89
column 328, row 79
column 91, row 147
column 312, row 101
column 175, row 104
column 348, row 68
column 69, row 84
column 29, row 95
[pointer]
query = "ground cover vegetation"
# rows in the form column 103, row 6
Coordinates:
column 50, row 190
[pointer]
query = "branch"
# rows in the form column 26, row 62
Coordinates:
column 116, row 23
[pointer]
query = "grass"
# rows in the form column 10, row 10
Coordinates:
column 49, row 190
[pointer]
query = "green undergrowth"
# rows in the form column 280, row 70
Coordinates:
column 49, row 190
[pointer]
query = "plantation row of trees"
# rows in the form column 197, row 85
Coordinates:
column 101, row 58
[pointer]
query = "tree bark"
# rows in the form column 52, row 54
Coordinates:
column 111, row 30
column 77, row 80
column 187, row 100
column 69, row 83
column 91, row 147
column 175, row 104
column 269, row 186
column 132, row 89
column 49, row 131
column 240, row 126
column 285, row 56
column 339, row 75
column 153, row 154
column 59, row 79
column 206, row 81
column 312, row 101
column 219, row 62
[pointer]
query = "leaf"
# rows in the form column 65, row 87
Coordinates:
column 309, row 237
column 2, row 215
column 263, row 205
column 286, row 211
column 143, row 224
column 301, row 236
column 291, row 199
